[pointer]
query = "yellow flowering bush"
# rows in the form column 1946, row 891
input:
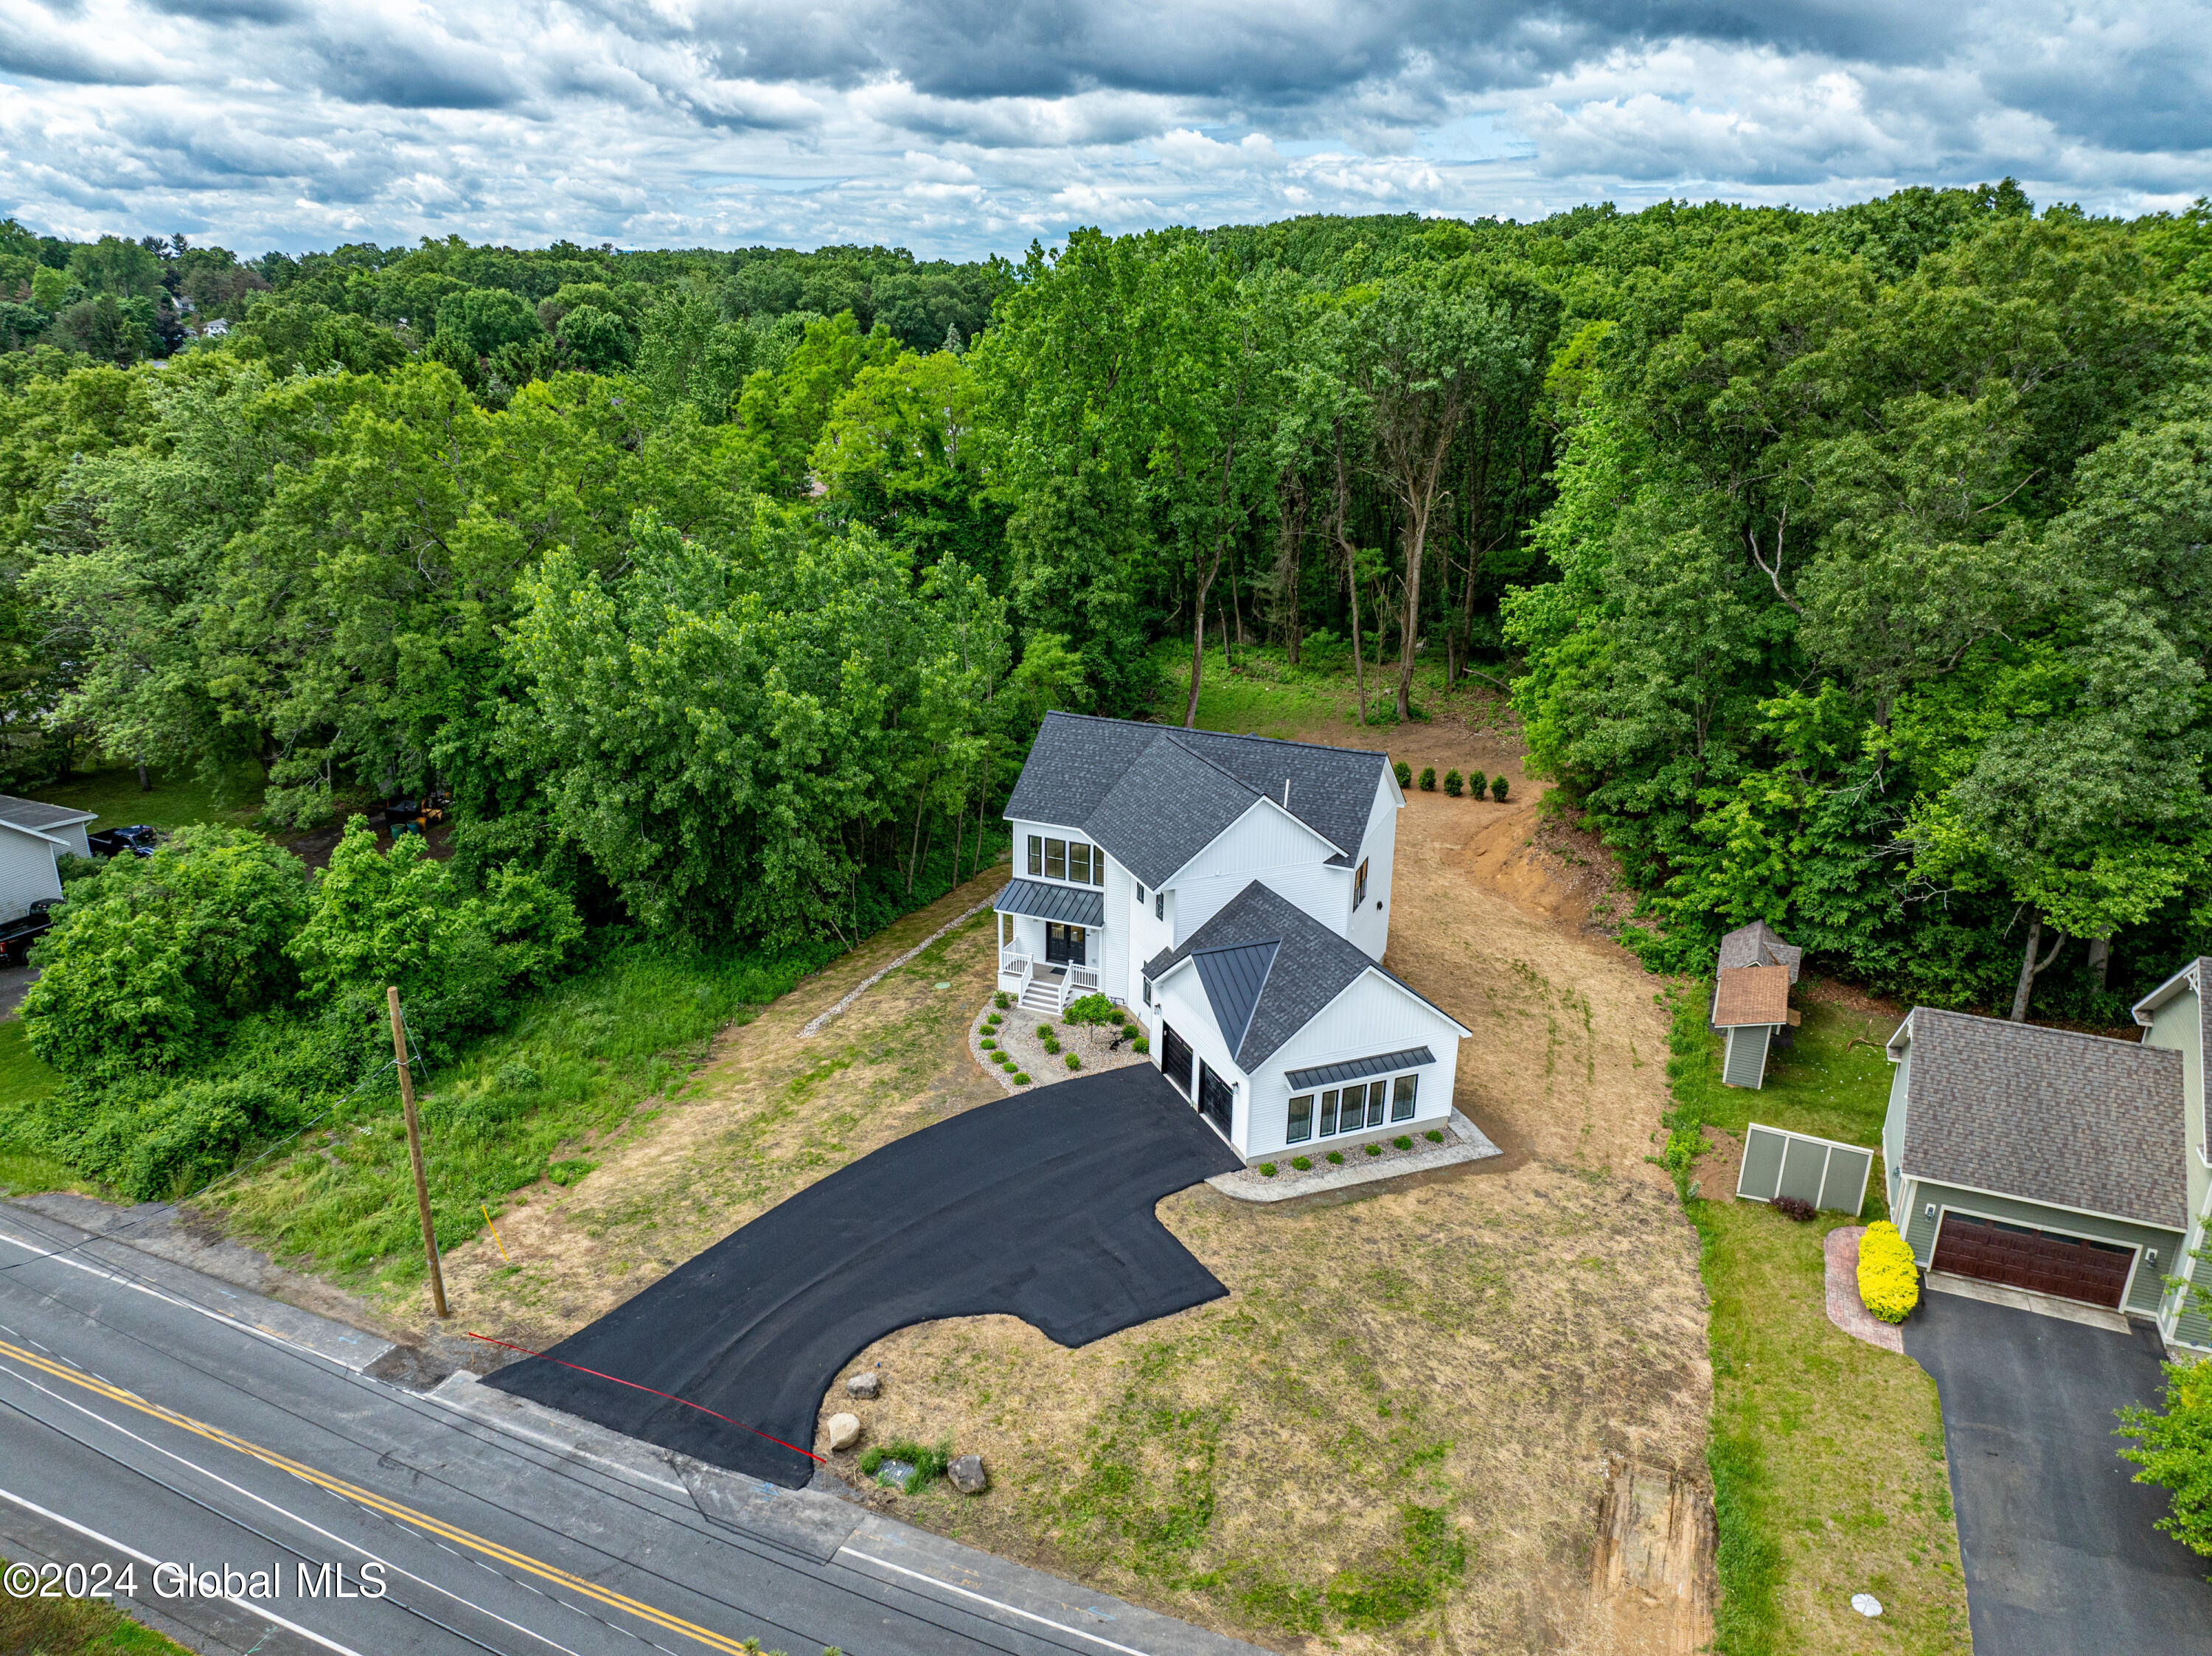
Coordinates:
column 1888, row 1286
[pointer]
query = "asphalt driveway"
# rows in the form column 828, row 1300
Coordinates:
column 2060, row 1554
column 1039, row 1206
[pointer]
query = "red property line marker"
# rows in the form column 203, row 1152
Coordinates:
column 635, row 1386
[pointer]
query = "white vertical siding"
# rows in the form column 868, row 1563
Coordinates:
column 1181, row 1002
column 74, row 837
column 1370, row 1018
column 1263, row 837
column 26, row 872
column 1111, row 953
column 1370, row 927
column 1148, row 936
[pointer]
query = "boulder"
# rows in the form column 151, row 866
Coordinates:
column 967, row 1475
column 866, row 1384
column 844, row 1431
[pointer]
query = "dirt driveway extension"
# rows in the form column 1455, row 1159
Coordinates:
column 1038, row 1207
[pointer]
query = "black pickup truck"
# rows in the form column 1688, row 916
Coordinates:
column 137, row 840
column 16, row 936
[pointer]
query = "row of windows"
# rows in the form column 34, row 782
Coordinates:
column 1353, row 1109
column 1067, row 859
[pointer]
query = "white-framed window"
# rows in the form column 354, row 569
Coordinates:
column 1036, row 854
column 1072, row 860
column 1359, row 885
column 1159, row 905
column 1301, row 1120
column 1055, row 860
column 1402, row 1092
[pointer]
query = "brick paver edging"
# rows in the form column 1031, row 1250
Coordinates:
column 1845, row 1309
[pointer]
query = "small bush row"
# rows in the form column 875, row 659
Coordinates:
column 1474, row 782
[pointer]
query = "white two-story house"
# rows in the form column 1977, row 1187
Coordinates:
column 1235, row 893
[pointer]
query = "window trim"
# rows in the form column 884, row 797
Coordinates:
column 1037, row 856
column 1359, row 885
column 1294, row 1133
column 1049, row 844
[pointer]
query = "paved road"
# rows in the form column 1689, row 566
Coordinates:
column 142, row 1421
column 2060, row 1553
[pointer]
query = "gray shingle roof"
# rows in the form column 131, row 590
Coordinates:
column 39, row 816
column 1310, row 968
column 1069, row 905
column 2078, row 1121
column 1758, row 944
column 1148, row 792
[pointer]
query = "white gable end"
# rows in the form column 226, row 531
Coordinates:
column 1266, row 836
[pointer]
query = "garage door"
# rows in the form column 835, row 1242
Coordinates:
column 2034, row 1260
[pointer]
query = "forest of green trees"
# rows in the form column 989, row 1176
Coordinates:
column 1849, row 567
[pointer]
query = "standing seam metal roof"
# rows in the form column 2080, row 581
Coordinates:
column 1146, row 792
column 2048, row 1115
column 1311, row 968
column 1069, row 905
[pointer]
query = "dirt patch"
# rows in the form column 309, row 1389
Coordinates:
column 1720, row 1169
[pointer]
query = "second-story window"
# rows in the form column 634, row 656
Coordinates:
column 1036, row 854
column 1359, row 885
column 1078, row 863
column 1055, row 860
column 1159, row 905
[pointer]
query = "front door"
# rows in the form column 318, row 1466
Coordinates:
column 1215, row 1099
column 1064, row 945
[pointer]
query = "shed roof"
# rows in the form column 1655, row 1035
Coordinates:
column 2048, row 1115
column 1069, row 905
column 1155, row 797
column 1750, row 994
column 1307, row 966
column 37, row 815
column 1759, row 944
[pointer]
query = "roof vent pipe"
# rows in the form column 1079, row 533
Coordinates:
column 1287, row 793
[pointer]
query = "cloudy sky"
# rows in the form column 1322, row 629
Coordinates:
column 958, row 127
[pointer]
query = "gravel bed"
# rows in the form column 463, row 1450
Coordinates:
column 1016, row 1036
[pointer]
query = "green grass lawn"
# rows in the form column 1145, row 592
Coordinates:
column 1264, row 694
column 75, row 1627
column 1826, row 1452
column 24, row 1080
column 177, row 798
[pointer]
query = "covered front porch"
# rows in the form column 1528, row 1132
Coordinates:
column 1051, row 939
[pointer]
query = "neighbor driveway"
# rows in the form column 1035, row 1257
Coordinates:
column 2060, row 1552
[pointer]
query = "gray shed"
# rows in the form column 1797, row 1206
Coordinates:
column 1751, row 1000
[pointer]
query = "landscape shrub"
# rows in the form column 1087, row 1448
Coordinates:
column 1428, row 779
column 1267, row 1170
column 1498, row 787
column 152, row 959
column 1044, row 1032
column 1452, row 783
column 1021, row 1078
column 1091, row 1008
column 1402, row 1142
column 1130, row 1032
column 1793, row 1207
column 1002, row 999
column 1304, row 1164
column 1476, row 784
column 1888, row 1284
column 1375, row 1149
column 1052, row 1045
column 1074, row 1061
column 1404, row 773
column 1434, row 1136
column 1141, row 1044
column 1336, row 1157
column 987, row 1044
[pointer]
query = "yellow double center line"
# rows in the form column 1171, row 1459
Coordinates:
column 393, row 1509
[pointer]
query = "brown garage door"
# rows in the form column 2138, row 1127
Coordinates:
column 2033, row 1259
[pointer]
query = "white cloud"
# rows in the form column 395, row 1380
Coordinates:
column 960, row 126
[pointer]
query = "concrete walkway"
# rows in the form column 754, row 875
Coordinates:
column 1463, row 1142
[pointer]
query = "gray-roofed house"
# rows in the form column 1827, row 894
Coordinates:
column 34, row 837
column 1283, row 1033
column 1131, row 839
column 1751, row 1000
column 2053, row 1162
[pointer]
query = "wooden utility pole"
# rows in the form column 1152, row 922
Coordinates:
column 415, row 1154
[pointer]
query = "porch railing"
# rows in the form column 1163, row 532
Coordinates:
column 1015, row 970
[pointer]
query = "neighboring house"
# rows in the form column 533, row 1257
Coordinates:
column 1751, row 1000
column 2065, row 1164
column 33, row 839
column 1235, row 893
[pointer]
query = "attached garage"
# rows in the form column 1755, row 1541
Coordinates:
column 2043, row 1161
column 2039, row 1261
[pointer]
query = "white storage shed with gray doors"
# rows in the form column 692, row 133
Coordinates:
column 1823, row 1173
column 1288, row 1037
column 1751, row 1000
